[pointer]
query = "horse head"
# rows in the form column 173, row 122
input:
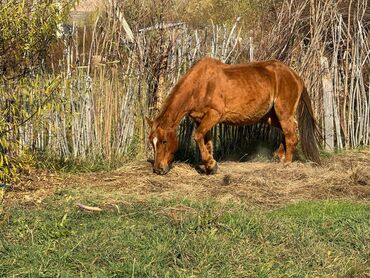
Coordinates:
column 164, row 142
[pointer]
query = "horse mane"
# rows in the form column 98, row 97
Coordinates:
column 169, row 99
column 162, row 116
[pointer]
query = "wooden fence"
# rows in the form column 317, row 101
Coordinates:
column 108, row 81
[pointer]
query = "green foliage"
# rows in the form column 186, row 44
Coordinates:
column 27, row 28
column 12, row 162
column 184, row 238
column 69, row 165
column 23, row 101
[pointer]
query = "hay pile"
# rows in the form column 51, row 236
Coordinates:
column 258, row 183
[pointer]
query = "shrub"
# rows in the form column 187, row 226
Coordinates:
column 27, row 28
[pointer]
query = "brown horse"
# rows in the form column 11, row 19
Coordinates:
column 212, row 92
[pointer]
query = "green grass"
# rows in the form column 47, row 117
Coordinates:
column 183, row 238
column 68, row 165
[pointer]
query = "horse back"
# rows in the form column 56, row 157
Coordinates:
column 243, row 93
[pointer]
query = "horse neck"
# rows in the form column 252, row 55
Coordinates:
column 174, row 110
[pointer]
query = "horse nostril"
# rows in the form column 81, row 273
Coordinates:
column 158, row 171
column 161, row 170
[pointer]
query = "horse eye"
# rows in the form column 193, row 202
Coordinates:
column 164, row 142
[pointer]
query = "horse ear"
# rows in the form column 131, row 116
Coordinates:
column 149, row 121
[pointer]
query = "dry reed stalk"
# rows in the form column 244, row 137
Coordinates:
column 103, row 102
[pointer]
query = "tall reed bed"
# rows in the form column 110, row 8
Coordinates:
column 107, row 85
column 109, row 78
column 327, row 42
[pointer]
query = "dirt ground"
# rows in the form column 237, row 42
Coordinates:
column 343, row 176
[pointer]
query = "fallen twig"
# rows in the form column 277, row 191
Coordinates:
column 89, row 208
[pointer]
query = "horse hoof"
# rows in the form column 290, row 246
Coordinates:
column 212, row 171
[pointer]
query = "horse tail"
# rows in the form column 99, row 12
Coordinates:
column 309, row 132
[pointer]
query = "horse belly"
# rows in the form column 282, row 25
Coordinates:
column 247, row 98
column 246, row 113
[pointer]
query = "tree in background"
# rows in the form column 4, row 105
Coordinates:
column 140, row 13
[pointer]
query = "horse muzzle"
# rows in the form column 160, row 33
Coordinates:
column 161, row 170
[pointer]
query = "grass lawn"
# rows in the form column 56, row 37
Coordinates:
column 183, row 238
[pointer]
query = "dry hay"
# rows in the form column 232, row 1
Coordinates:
column 258, row 183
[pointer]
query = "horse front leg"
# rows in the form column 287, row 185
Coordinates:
column 280, row 152
column 208, row 142
column 202, row 137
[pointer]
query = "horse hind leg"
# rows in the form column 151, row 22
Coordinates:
column 289, row 128
column 285, row 110
column 273, row 121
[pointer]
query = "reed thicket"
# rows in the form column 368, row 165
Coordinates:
column 102, row 80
